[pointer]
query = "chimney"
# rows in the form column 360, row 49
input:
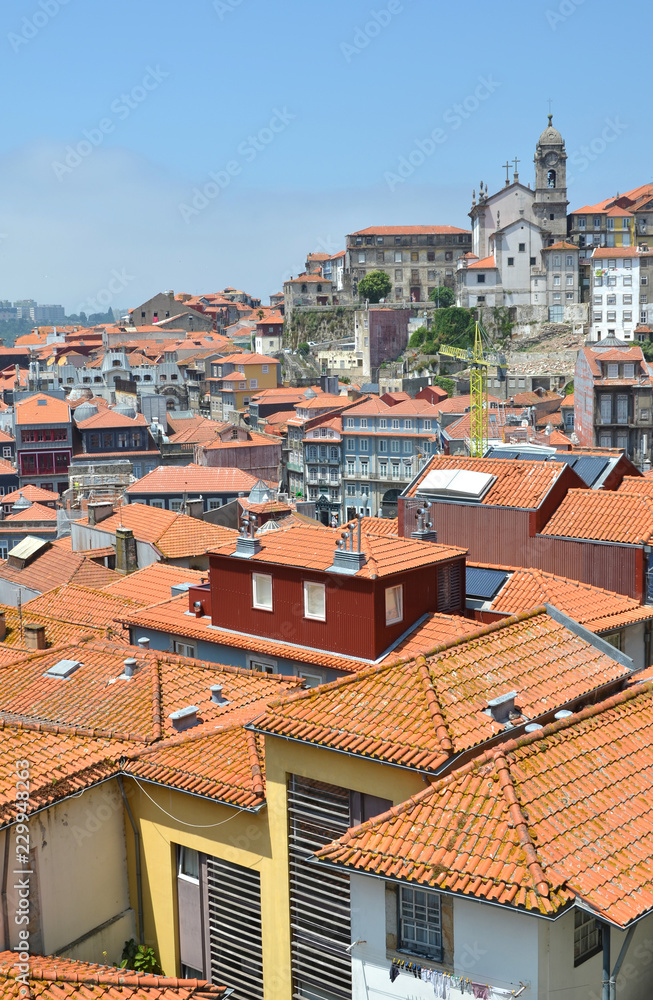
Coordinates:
column 216, row 695
column 501, row 707
column 34, row 636
column 347, row 559
column 99, row 512
column 424, row 531
column 195, row 508
column 248, row 544
column 126, row 555
column 130, row 667
column 144, row 642
column 184, row 718
column 3, row 626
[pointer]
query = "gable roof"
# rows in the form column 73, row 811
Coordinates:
column 37, row 512
column 598, row 610
column 97, row 699
column 611, row 516
column 42, row 409
column 81, row 606
column 386, row 554
column 543, row 827
column 174, row 535
column 54, row 566
column 421, row 712
column 106, row 417
column 518, row 483
column 33, row 493
column 408, row 230
column 192, row 479
column 153, row 584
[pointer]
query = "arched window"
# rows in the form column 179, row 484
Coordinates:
column 551, row 179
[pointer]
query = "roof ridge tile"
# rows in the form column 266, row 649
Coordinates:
column 520, row 823
column 434, row 707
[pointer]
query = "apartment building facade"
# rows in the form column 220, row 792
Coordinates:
column 44, row 441
column 416, row 258
column 383, row 448
column 236, row 378
column 620, row 291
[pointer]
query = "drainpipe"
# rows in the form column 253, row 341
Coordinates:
column 617, row 964
column 605, row 982
column 137, row 851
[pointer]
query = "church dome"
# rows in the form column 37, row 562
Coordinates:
column 550, row 136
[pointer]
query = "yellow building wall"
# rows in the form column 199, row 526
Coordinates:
column 259, row 841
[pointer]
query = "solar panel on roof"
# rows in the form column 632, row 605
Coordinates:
column 484, row 583
column 590, row 467
column 502, row 454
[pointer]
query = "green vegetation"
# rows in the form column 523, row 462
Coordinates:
column 647, row 349
column 303, row 348
column 447, row 384
column 442, row 296
column 140, row 958
column 376, row 285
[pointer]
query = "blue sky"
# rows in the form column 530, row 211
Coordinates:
column 221, row 140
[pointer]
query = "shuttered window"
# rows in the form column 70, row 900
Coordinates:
column 234, row 916
column 449, row 590
column 319, row 899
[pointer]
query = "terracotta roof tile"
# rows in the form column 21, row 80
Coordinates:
column 544, row 825
column 610, row 516
column 409, row 230
column 385, row 554
column 98, row 699
column 227, row 765
column 176, row 536
column 636, row 484
column 55, row 566
column 59, row 978
column 518, row 483
column 192, row 479
column 153, row 584
column 52, row 411
column 598, row 610
column 80, row 606
column 107, row 417
column 37, row 512
column 420, row 712
column 32, row 493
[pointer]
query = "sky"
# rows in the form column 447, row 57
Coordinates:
column 159, row 144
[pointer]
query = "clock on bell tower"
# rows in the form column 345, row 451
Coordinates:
column 550, row 203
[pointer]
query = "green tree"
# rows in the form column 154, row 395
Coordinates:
column 376, row 285
column 447, row 384
column 418, row 337
column 303, row 348
column 442, row 296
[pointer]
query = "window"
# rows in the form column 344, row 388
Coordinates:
column 628, row 263
column 430, row 256
column 522, row 247
column 350, row 421
column 588, row 939
column 214, row 504
column 189, row 864
column 315, row 601
column 408, row 425
column 582, row 222
column 480, row 279
column 611, row 300
column 427, row 425
column 627, row 280
column 363, row 444
column 597, row 316
column 184, row 648
column 612, row 280
column 262, row 591
column 533, row 261
column 176, row 504
column 361, row 257
column 629, row 370
column 628, row 300
column 6, row 451
column 383, row 445
column 394, row 604
column 556, row 279
column 569, row 260
column 383, row 423
column 628, row 316
column 399, row 274
column 598, row 280
column 420, row 922
column 643, row 280
column 611, row 316
column 398, row 257
column 511, row 261
column 569, row 279
column 414, row 255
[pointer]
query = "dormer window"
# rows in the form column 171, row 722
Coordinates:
column 315, row 601
column 394, row 604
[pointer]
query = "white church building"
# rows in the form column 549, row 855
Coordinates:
column 520, row 256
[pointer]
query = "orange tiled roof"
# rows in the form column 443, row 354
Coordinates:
column 538, row 833
column 37, row 512
column 561, row 245
column 33, row 493
column 518, row 483
column 176, row 536
column 380, row 525
column 598, row 610
column 95, row 699
column 107, row 417
column 419, row 713
column 59, row 978
column 610, row 516
column 409, row 230
column 385, row 554
column 636, row 484
column 55, row 566
column 484, row 264
column 80, row 605
column 57, row 631
column 227, row 766
column 193, row 479
column 55, row 411
column 153, row 584
column 605, row 252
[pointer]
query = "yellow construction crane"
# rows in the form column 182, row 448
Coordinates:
column 478, row 364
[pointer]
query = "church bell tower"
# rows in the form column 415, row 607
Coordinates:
column 550, row 204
